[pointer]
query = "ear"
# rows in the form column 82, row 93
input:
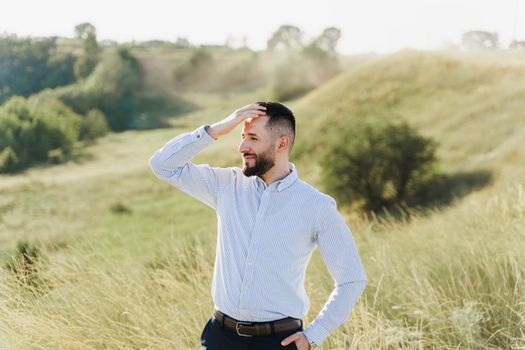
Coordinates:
column 283, row 143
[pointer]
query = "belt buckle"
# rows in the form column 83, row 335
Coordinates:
column 245, row 324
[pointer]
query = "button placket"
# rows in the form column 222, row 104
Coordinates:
column 252, row 252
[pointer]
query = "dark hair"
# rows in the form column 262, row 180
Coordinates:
column 281, row 122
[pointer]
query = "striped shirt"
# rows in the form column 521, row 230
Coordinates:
column 266, row 237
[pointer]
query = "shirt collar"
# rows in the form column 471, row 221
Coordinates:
column 284, row 182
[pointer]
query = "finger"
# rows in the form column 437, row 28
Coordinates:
column 252, row 114
column 253, row 111
column 290, row 339
column 248, row 107
column 252, row 106
column 256, row 105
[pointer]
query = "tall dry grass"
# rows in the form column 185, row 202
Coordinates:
column 454, row 281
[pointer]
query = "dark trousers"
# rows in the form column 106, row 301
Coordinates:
column 216, row 337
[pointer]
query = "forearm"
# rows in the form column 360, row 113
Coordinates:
column 335, row 311
column 221, row 128
column 178, row 151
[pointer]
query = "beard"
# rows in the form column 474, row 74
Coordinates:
column 262, row 163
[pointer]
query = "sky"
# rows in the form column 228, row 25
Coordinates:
column 379, row 26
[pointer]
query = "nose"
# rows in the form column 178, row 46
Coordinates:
column 244, row 147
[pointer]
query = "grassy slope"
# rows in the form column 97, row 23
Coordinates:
column 472, row 106
column 446, row 280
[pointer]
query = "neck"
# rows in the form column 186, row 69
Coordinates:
column 278, row 172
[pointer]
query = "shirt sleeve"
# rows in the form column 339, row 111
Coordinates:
column 340, row 255
column 172, row 163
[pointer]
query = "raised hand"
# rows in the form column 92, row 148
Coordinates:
column 226, row 125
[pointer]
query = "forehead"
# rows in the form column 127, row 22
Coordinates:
column 255, row 125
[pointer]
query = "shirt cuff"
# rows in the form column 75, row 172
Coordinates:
column 316, row 333
column 201, row 134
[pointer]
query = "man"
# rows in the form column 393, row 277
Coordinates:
column 269, row 223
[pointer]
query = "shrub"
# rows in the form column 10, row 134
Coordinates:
column 35, row 131
column 94, row 125
column 55, row 155
column 120, row 208
column 9, row 161
column 378, row 163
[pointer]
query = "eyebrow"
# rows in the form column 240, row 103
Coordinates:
column 251, row 134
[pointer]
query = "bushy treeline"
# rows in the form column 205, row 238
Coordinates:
column 47, row 125
column 116, row 88
column 113, row 87
column 204, row 71
column 296, row 66
column 308, row 64
column 38, row 130
column 303, row 71
column 30, row 65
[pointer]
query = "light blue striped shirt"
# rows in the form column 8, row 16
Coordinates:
column 266, row 237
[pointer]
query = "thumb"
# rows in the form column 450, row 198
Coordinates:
column 290, row 339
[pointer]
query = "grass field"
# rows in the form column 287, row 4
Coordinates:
column 127, row 260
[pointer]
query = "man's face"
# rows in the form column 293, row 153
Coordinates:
column 256, row 147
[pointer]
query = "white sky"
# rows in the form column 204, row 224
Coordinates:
column 367, row 25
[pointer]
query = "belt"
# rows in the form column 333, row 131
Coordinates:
column 250, row 329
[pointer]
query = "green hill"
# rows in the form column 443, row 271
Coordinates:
column 127, row 259
column 473, row 107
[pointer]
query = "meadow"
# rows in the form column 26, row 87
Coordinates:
column 126, row 260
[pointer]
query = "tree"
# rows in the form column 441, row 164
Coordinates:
column 287, row 37
column 302, row 71
column 517, row 44
column 83, row 30
column 90, row 56
column 30, row 65
column 328, row 39
column 182, row 43
column 378, row 163
column 479, row 40
column 114, row 87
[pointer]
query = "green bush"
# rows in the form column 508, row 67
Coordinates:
column 378, row 163
column 29, row 131
column 120, row 208
column 94, row 125
column 9, row 161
